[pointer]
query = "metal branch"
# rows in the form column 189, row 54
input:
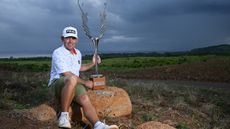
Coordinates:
column 103, row 22
column 84, row 21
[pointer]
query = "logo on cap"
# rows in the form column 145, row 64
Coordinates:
column 71, row 31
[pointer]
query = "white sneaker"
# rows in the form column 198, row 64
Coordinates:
column 64, row 121
column 100, row 125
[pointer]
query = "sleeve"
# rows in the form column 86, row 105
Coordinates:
column 60, row 63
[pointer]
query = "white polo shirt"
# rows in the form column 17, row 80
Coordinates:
column 64, row 61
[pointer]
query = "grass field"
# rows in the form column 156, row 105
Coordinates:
column 116, row 64
column 23, row 84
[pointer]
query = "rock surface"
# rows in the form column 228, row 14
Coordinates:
column 111, row 102
column 154, row 125
column 42, row 112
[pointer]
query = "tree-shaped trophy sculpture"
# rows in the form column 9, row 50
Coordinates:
column 98, row 79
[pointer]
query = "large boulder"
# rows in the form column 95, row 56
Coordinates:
column 154, row 125
column 42, row 112
column 109, row 102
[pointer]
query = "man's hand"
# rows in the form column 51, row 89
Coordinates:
column 89, row 84
column 98, row 59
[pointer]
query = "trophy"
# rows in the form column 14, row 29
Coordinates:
column 98, row 79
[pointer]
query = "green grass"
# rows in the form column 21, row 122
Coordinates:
column 114, row 64
column 182, row 126
column 148, row 117
column 137, row 63
column 26, row 65
column 23, row 89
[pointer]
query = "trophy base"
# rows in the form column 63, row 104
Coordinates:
column 98, row 81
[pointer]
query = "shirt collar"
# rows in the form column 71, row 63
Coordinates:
column 74, row 52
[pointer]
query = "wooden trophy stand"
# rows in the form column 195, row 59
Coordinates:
column 98, row 81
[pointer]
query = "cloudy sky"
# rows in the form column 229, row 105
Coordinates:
column 35, row 26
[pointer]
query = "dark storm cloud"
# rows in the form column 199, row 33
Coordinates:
column 174, row 25
column 209, row 7
column 150, row 9
column 132, row 25
column 31, row 24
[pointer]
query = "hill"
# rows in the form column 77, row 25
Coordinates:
column 218, row 49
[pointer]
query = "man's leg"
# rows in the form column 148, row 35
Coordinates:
column 90, row 112
column 67, row 93
column 88, row 108
column 64, row 91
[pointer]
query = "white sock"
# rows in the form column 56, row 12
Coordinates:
column 97, row 123
column 64, row 113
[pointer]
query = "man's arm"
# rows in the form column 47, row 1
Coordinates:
column 85, row 67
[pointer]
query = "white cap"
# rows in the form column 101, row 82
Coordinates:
column 69, row 32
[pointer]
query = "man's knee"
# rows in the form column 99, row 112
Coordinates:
column 84, row 99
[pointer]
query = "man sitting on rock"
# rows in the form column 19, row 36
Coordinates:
column 66, row 83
